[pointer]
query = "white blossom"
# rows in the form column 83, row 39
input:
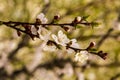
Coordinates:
column 42, row 18
column 61, row 38
column 44, row 34
column 74, row 45
column 70, row 51
column 34, row 30
column 81, row 56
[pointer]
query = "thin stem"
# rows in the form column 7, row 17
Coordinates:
column 56, row 24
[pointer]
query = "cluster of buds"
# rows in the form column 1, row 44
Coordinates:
column 102, row 54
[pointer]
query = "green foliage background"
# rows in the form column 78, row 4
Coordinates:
column 106, row 12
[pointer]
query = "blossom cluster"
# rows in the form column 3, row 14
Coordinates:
column 60, row 39
column 70, row 44
column 54, row 42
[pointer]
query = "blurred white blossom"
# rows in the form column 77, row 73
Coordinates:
column 81, row 56
column 3, row 59
column 74, row 44
column 44, row 34
column 49, row 48
column 91, row 76
column 34, row 30
column 70, row 51
column 46, row 1
column 81, row 76
column 61, row 38
column 42, row 18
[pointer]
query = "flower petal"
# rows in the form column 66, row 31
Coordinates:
column 49, row 48
column 34, row 30
column 44, row 20
column 41, row 16
column 81, row 56
column 55, row 38
column 74, row 43
column 70, row 51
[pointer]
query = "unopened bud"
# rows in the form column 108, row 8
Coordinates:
column 78, row 19
column 102, row 55
column 18, row 33
column 57, row 17
column 92, row 44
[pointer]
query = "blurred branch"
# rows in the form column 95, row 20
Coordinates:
column 98, row 36
column 5, row 76
column 60, row 63
column 104, row 37
column 115, row 77
column 21, row 44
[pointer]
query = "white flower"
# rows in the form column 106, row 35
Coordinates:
column 70, row 51
column 34, row 30
column 42, row 18
column 61, row 38
column 81, row 56
column 44, row 34
column 49, row 48
column 74, row 45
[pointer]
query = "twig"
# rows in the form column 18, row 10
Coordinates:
column 104, row 37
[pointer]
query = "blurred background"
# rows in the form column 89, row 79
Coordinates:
column 21, row 58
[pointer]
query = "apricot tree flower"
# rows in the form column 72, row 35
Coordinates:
column 34, row 30
column 61, row 38
column 38, row 30
column 74, row 44
column 44, row 34
column 42, row 18
column 81, row 56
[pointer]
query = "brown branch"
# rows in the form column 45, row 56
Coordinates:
column 90, row 49
column 55, row 24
